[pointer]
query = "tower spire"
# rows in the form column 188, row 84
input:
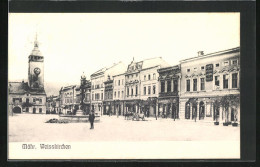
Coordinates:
column 36, row 43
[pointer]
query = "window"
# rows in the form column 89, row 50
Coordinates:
column 149, row 90
column 169, row 86
column 154, row 77
column 118, row 82
column 234, row 80
column 92, row 96
column 162, row 86
column 136, row 89
column 202, row 67
column 188, row 85
column 115, row 94
column 118, row 94
column 127, row 91
column 34, row 99
column 101, row 96
column 195, row 69
column 144, row 90
column 154, row 89
column 149, row 77
column 132, row 91
column 216, row 80
column 40, row 110
column 225, row 81
column 226, row 63
column 188, row 70
column 40, row 100
column 217, row 65
column 202, row 84
column 145, row 77
column 234, row 62
column 27, row 100
column 175, row 85
column 194, row 84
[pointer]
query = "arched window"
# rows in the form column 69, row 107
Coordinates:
column 187, row 110
column 201, row 110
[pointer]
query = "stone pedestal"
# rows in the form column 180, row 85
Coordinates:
column 79, row 112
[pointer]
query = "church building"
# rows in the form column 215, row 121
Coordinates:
column 29, row 97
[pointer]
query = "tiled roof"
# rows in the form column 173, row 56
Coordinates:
column 147, row 63
column 23, row 88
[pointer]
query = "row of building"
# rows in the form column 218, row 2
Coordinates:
column 205, row 87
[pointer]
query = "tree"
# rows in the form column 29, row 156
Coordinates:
column 229, row 101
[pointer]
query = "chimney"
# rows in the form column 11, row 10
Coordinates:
column 200, row 53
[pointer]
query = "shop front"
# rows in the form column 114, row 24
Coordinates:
column 168, row 107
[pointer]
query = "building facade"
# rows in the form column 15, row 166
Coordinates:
column 53, row 105
column 168, row 101
column 108, row 103
column 141, row 85
column 68, row 99
column 119, row 94
column 29, row 97
column 97, row 85
column 210, row 86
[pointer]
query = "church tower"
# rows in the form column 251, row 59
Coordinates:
column 36, row 68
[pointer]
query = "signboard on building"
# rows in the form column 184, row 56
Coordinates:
column 209, row 72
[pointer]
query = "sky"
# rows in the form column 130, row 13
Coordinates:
column 73, row 43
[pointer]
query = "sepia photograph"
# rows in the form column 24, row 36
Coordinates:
column 124, row 85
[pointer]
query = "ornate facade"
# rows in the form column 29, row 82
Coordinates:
column 168, row 101
column 210, row 86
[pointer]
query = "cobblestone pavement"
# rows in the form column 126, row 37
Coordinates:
column 32, row 128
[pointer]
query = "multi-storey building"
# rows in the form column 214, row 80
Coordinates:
column 108, row 103
column 210, row 86
column 141, row 84
column 169, row 81
column 29, row 97
column 53, row 104
column 68, row 98
column 119, row 93
column 97, row 85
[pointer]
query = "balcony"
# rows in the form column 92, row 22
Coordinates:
column 165, row 94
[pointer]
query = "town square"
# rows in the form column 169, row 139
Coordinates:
column 95, row 80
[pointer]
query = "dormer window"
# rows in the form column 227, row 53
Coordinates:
column 188, row 70
column 234, row 62
column 226, row 63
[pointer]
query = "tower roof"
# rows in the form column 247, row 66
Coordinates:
column 36, row 51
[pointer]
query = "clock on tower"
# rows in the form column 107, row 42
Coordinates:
column 35, row 70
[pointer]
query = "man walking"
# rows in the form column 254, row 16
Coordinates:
column 91, row 119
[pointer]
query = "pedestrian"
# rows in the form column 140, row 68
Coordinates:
column 91, row 119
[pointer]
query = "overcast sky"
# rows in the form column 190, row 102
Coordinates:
column 73, row 43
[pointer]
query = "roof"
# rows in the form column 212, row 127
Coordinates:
column 36, row 51
column 101, row 71
column 232, row 50
column 147, row 63
column 23, row 88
